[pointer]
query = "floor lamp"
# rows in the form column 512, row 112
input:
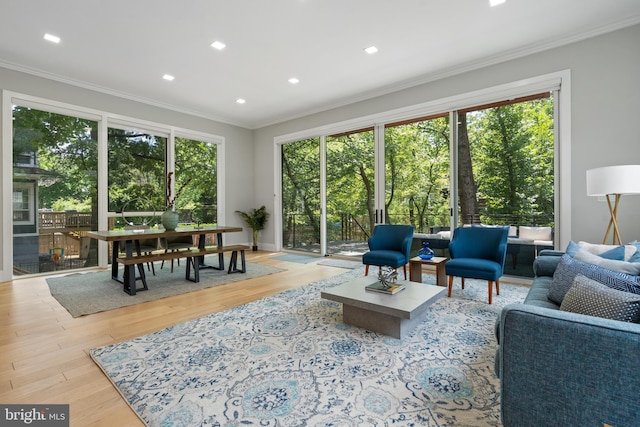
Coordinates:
column 613, row 182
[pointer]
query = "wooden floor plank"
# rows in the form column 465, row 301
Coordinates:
column 44, row 351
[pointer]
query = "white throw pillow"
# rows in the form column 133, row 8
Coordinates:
column 596, row 249
column 610, row 264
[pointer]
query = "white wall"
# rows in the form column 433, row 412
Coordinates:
column 238, row 172
column 605, row 111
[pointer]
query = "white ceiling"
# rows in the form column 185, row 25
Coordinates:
column 124, row 47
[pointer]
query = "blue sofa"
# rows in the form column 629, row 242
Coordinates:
column 565, row 369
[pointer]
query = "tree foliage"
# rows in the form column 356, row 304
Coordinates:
column 505, row 167
column 66, row 149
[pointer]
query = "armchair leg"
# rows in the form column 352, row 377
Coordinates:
column 462, row 279
column 366, row 270
column 405, row 271
column 450, row 286
column 498, row 287
column 490, row 290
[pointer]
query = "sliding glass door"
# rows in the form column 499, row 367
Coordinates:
column 54, row 191
column 506, row 173
column 417, row 174
column 350, row 183
column 196, row 173
column 301, row 195
column 503, row 158
column 136, row 177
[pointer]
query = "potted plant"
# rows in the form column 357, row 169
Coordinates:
column 256, row 219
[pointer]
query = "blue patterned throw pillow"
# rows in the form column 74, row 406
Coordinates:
column 569, row 268
column 589, row 297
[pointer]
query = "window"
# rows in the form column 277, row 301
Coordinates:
column 23, row 203
column 136, row 176
column 498, row 165
column 55, row 187
column 196, row 172
column 63, row 171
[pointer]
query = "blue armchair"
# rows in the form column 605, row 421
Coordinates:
column 478, row 253
column 389, row 245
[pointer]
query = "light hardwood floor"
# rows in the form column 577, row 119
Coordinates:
column 44, row 351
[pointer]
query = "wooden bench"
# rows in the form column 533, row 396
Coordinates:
column 195, row 259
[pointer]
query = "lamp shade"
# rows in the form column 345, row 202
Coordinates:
column 624, row 179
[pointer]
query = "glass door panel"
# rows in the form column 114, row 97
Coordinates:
column 417, row 174
column 54, row 191
column 350, row 192
column 196, row 172
column 506, row 174
column 136, row 177
column 301, row 195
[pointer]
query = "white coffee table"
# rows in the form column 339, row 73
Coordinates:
column 392, row 315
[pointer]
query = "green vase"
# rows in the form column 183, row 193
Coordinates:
column 170, row 220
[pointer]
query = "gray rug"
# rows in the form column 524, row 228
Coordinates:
column 289, row 360
column 341, row 263
column 302, row 259
column 92, row 292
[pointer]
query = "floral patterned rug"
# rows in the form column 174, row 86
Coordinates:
column 288, row 360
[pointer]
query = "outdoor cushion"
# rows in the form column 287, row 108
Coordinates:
column 535, row 233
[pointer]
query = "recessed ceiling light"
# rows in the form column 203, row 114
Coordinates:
column 493, row 3
column 168, row 77
column 51, row 38
column 218, row 45
column 240, row 101
column 294, row 81
column 371, row 50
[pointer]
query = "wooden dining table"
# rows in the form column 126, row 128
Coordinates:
column 132, row 237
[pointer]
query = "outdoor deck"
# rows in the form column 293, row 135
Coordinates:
column 49, row 222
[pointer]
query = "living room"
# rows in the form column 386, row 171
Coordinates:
column 597, row 75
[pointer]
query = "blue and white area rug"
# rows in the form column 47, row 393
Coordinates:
column 288, row 360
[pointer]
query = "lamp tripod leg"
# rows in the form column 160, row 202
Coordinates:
column 613, row 210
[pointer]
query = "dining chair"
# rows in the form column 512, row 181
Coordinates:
column 175, row 244
column 478, row 253
column 144, row 246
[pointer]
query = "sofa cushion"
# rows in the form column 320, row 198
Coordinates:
column 569, row 268
column 606, row 251
column 611, row 264
column 611, row 252
column 586, row 296
column 538, row 291
column 546, row 265
column 636, row 256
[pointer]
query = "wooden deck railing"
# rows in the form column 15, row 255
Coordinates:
column 64, row 220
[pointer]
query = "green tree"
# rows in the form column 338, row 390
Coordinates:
column 417, row 173
column 301, row 190
column 350, row 179
column 513, row 162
